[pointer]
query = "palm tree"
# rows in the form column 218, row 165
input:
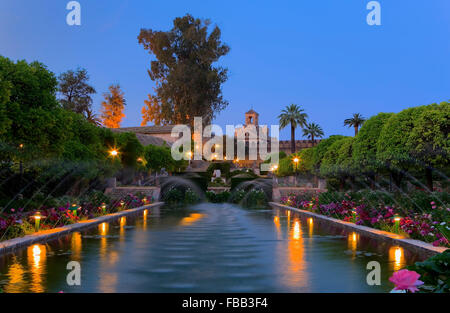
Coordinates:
column 356, row 121
column 294, row 116
column 91, row 117
column 313, row 131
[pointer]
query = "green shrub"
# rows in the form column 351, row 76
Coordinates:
column 218, row 197
column 255, row 199
column 434, row 272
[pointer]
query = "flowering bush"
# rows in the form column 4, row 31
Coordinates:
column 430, row 225
column 18, row 222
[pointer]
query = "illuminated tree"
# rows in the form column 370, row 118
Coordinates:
column 112, row 107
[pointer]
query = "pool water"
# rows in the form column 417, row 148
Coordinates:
column 206, row 248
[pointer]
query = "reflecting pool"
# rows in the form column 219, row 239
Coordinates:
column 206, row 248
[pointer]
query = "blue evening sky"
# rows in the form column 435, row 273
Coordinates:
column 320, row 54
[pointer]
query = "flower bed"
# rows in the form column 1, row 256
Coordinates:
column 20, row 222
column 429, row 225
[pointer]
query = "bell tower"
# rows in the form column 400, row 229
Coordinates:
column 251, row 118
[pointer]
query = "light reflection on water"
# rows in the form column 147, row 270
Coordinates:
column 207, row 248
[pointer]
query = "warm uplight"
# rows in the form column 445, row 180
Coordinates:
column 103, row 208
column 140, row 160
column 397, row 224
column 114, row 153
column 21, row 146
column 37, row 221
column 296, row 160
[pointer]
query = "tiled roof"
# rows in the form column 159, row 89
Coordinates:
column 144, row 139
column 149, row 129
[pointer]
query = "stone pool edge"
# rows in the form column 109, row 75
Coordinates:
column 417, row 246
column 11, row 245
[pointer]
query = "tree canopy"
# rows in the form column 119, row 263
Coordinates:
column 187, row 82
column 365, row 145
column 75, row 91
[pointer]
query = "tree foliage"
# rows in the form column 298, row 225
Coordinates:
column 355, row 121
column 113, row 107
column 365, row 145
column 187, row 82
column 294, row 116
column 429, row 141
column 75, row 91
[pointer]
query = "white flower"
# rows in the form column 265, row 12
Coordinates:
column 443, row 223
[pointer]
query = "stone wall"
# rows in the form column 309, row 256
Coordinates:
column 285, row 145
column 150, row 192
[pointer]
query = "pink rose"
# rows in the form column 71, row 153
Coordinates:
column 406, row 280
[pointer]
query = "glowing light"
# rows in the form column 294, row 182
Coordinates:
column 353, row 242
column 21, row 146
column 296, row 160
column 113, row 152
column 296, row 233
column 397, row 224
column 311, row 226
column 103, row 229
column 192, row 218
column 37, row 221
column 36, row 263
column 396, row 256
column 74, row 209
column 140, row 160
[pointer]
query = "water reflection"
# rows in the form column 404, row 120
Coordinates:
column 277, row 251
column 310, row 227
column 16, row 280
column 295, row 275
column 144, row 219
column 276, row 221
column 37, row 257
column 353, row 243
column 76, row 245
column 396, row 257
column 191, row 219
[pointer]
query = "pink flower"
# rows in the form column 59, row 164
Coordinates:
column 406, row 280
